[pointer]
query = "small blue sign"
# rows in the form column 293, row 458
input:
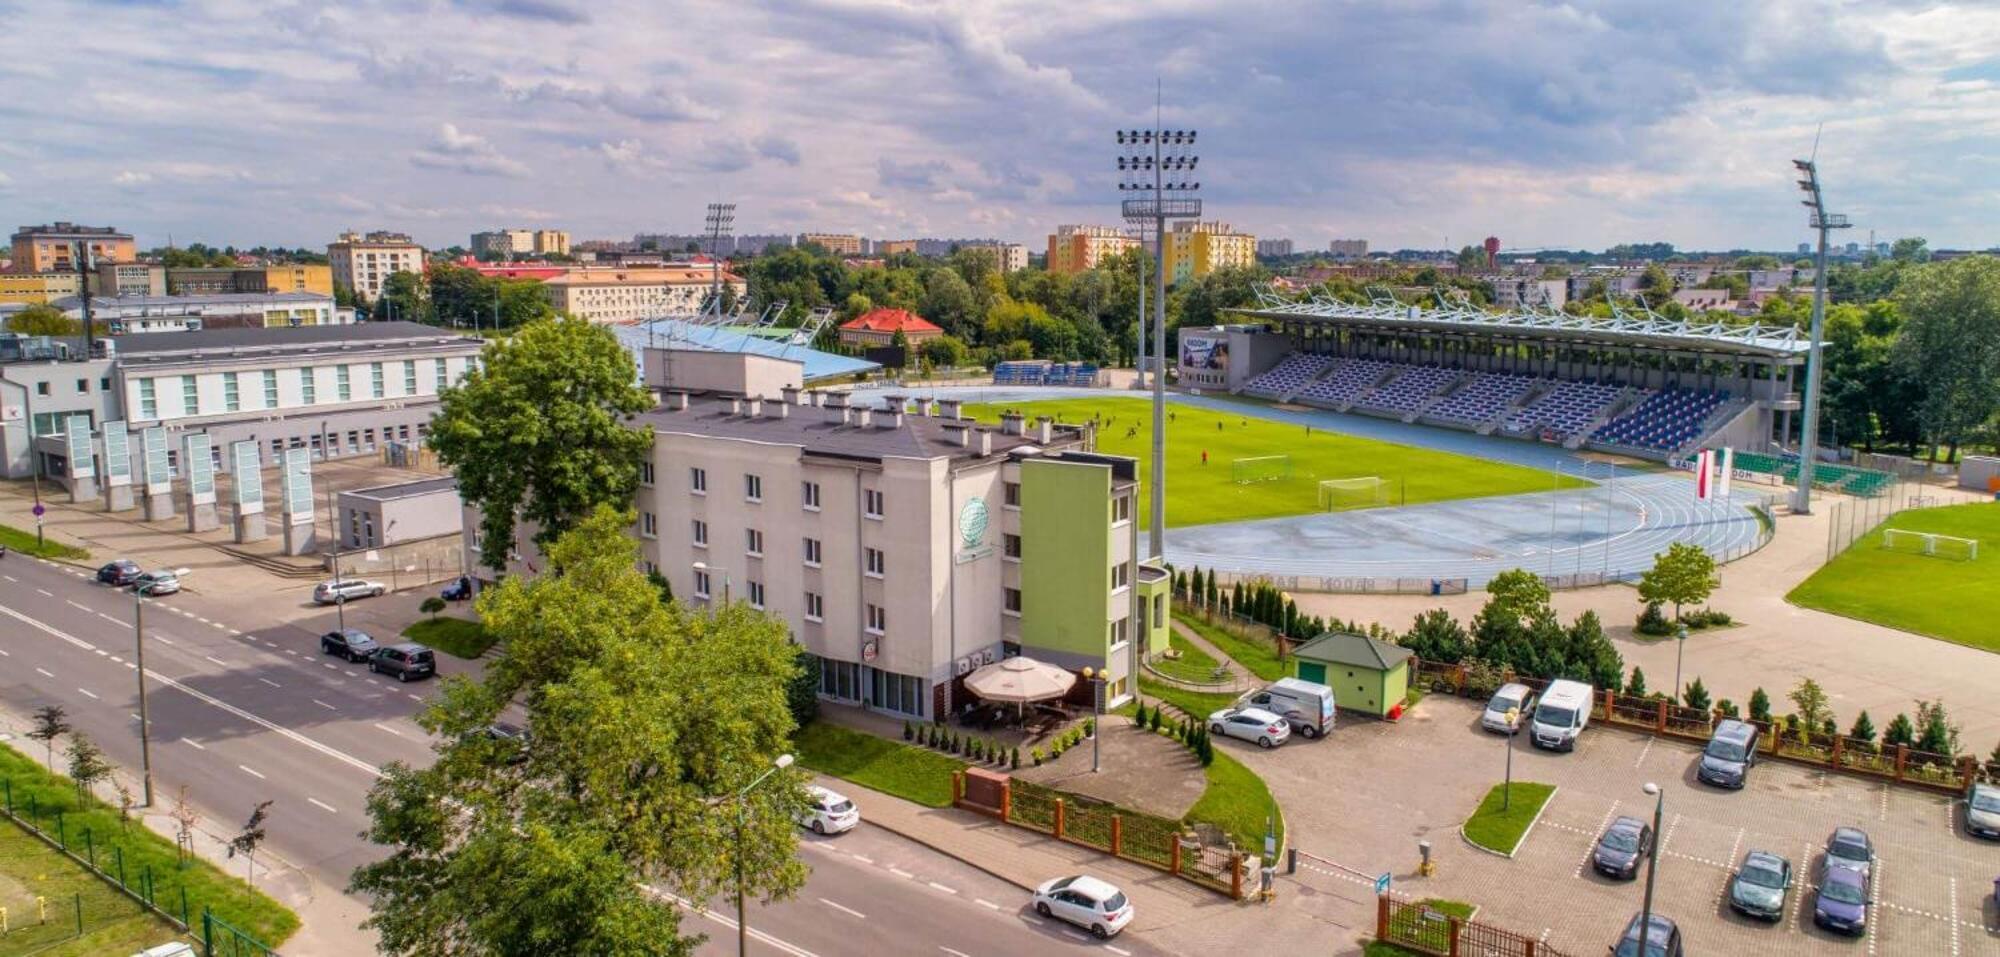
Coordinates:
column 1382, row 884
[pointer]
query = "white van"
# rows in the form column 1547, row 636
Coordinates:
column 1561, row 715
column 1305, row 705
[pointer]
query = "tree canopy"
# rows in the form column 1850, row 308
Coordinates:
column 1950, row 345
column 44, row 320
column 1684, row 574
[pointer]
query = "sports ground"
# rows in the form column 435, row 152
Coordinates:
column 1950, row 598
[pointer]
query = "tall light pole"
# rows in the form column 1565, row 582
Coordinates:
column 1680, row 642
column 721, row 217
column 1825, row 222
column 1157, row 169
column 1096, row 678
column 742, row 810
column 1652, row 865
column 145, row 716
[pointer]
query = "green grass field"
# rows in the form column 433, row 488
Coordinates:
column 455, row 636
column 892, row 767
column 1198, row 494
column 1498, row 830
column 112, row 922
column 1957, row 601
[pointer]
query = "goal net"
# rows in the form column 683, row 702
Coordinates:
column 1930, row 544
column 1367, row 492
column 1262, row 468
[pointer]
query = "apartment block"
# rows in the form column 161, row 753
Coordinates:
column 1008, row 257
column 1076, row 248
column 129, row 279
column 37, row 288
column 245, row 280
column 1274, row 247
column 551, row 242
column 1348, row 248
column 132, row 315
column 53, row 247
column 839, row 244
column 629, row 295
column 362, row 263
column 1195, row 249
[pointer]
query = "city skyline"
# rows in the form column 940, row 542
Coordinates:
column 1546, row 126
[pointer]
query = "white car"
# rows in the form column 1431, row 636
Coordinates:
column 1087, row 902
column 155, row 584
column 346, row 589
column 829, row 813
column 1250, row 724
column 1513, row 696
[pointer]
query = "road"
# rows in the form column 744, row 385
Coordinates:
column 244, row 712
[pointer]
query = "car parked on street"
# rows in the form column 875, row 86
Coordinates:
column 1761, row 883
column 119, row 572
column 1850, row 848
column 1982, row 811
column 404, row 662
column 352, row 643
column 1250, row 724
column 1841, row 903
column 346, row 589
column 828, row 812
column 1087, row 902
column 155, row 584
column 1512, row 697
column 1622, row 847
column 1725, row 762
column 1663, row 939
column 460, row 589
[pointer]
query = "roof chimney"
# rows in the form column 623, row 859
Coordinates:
column 1011, row 423
column 778, row 410
column 791, row 394
column 753, row 406
column 948, row 408
column 836, row 400
column 890, row 419
column 735, row 405
column 961, row 434
column 984, row 441
column 677, row 401
column 1044, row 428
column 862, row 417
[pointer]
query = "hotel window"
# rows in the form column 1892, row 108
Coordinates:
column 809, row 495
column 1011, row 494
column 148, row 402
column 753, row 542
column 1010, row 546
column 840, row 679
column 1121, row 576
column 232, row 394
column 700, row 533
column 1159, row 608
column 437, row 375
column 876, row 563
column 815, row 607
column 343, row 386
column 409, row 377
column 1120, row 631
column 871, row 503
column 42, row 388
column 1121, row 509
column 878, row 620
column 646, row 473
column 755, row 589
column 701, row 584
column 83, row 387
column 190, row 398
column 270, row 389
column 698, row 481
column 812, row 552
column 375, row 380
column 307, row 393
column 649, row 525
column 1013, row 600
column 753, row 487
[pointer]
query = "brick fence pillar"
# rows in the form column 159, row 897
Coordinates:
column 1236, row 876
column 1834, row 759
column 1610, row 694
column 1660, row 719
column 1007, row 801
column 1175, row 861
column 1381, row 917
column 957, row 788
column 1059, row 818
column 1452, row 931
column 1902, row 759
column 1117, row 834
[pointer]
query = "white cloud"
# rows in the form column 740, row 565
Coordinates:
column 466, row 153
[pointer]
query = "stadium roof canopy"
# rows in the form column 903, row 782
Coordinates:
column 680, row 334
column 1647, row 329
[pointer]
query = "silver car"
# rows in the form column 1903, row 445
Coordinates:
column 1250, row 724
column 346, row 589
column 155, row 584
column 1982, row 812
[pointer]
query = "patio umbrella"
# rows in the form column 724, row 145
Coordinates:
column 1019, row 681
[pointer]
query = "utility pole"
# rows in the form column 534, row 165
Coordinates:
column 1825, row 222
column 145, row 716
column 83, row 262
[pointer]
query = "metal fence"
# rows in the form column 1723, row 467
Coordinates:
column 1850, row 520
column 1121, row 832
column 1419, row 926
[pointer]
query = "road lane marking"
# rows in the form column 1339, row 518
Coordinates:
column 270, row 682
column 46, row 673
column 948, row 890
column 1038, row 922
column 316, row 802
column 246, row 769
column 162, row 639
column 1120, row 951
column 46, row 593
column 110, row 619
column 92, row 695
column 899, row 872
column 383, row 727
column 4, row 653
column 117, row 660
column 218, row 661
column 192, row 743
column 234, row 631
column 863, row 859
column 1076, row 934
column 325, row 705
column 417, row 698
column 10, row 578
column 754, row 933
column 844, row 909
column 79, row 606
column 983, row 902
column 218, row 626
column 953, row 953
column 133, row 715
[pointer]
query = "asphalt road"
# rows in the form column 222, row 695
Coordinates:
column 244, row 711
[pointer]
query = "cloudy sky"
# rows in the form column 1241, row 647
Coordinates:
column 1409, row 123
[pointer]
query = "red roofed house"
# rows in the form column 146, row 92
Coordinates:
column 878, row 327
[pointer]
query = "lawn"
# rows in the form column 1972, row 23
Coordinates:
column 1498, row 830
column 456, row 636
column 1199, row 704
column 1237, row 802
column 1193, row 664
column 17, row 540
column 204, row 884
column 112, row 922
column 1257, row 656
column 1957, row 601
column 1199, row 493
column 892, row 767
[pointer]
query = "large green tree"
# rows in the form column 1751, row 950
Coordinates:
column 1684, row 574
column 1950, row 346
column 43, row 320
column 541, row 431
column 645, row 720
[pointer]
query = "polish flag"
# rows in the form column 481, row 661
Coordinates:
column 1703, row 464
column 1728, row 467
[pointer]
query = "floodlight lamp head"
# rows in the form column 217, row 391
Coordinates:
column 1805, row 166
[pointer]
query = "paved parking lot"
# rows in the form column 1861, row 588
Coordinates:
column 1365, row 795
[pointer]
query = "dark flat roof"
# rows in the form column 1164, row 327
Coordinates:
column 390, row 493
column 815, row 431
column 204, row 340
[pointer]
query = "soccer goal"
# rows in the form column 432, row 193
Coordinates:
column 1367, row 492
column 1930, row 544
column 1261, row 468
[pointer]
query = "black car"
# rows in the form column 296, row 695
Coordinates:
column 509, row 734
column 1663, row 939
column 1622, row 846
column 406, row 661
column 1731, row 750
column 352, row 644
column 120, row 572
column 459, row 590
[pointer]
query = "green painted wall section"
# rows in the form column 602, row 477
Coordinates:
column 1155, row 595
column 1065, row 556
column 1357, row 689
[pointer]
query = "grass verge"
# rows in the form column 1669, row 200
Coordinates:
column 1202, row 492
column 1193, row 664
column 112, row 922
column 1260, row 657
column 455, row 636
column 17, row 540
column 205, row 884
column 1500, row 830
column 1199, row 704
column 1956, row 601
column 1237, row 802
column 906, row 771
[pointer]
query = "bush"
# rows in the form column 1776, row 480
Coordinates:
column 1036, row 756
column 909, row 731
column 1696, row 695
column 1089, row 727
column 1727, row 708
column 1139, row 716
column 1653, row 621
column 1760, row 705
column 1636, row 685
column 1156, row 719
column 1017, row 758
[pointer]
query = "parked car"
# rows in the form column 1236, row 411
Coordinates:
column 1250, row 724
column 155, row 584
column 1841, row 904
column 1663, row 939
column 120, row 572
column 352, row 644
column 1850, row 848
column 1513, row 696
column 406, row 661
column 829, row 812
column 1982, row 811
column 1730, row 752
column 346, row 589
column 1622, row 847
column 460, row 589
column 1086, row 902
column 1561, row 715
column 1760, row 886
column 1306, row 706
column 508, row 733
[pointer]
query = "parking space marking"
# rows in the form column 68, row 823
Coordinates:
column 1883, row 814
column 1954, row 915
column 1648, row 749
column 1875, row 900
column 1601, row 825
column 1729, row 869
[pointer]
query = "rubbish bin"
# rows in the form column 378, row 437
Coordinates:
column 1437, row 587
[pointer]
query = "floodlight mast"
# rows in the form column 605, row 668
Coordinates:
column 721, row 217
column 1825, row 222
column 1157, row 168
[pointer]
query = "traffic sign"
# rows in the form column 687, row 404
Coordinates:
column 38, row 510
column 1382, row 884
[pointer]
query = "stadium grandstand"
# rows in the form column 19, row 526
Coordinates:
column 1044, row 372
column 1635, row 383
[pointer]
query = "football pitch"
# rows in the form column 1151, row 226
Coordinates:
column 1955, row 600
column 1200, row 493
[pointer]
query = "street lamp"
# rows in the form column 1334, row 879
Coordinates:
column 1680, row 643
column 742, row 809
column 145, row 716
column 1507, row 789
column 1096, row 678
column 706, row 567
column 1652, row 864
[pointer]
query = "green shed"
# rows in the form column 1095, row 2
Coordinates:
column 1366, row 675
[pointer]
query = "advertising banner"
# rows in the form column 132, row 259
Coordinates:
column 76, row 438
column 117, row 454
column 1199, row 352
column 153, row 443
column 199, row 463
column 247, row 469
